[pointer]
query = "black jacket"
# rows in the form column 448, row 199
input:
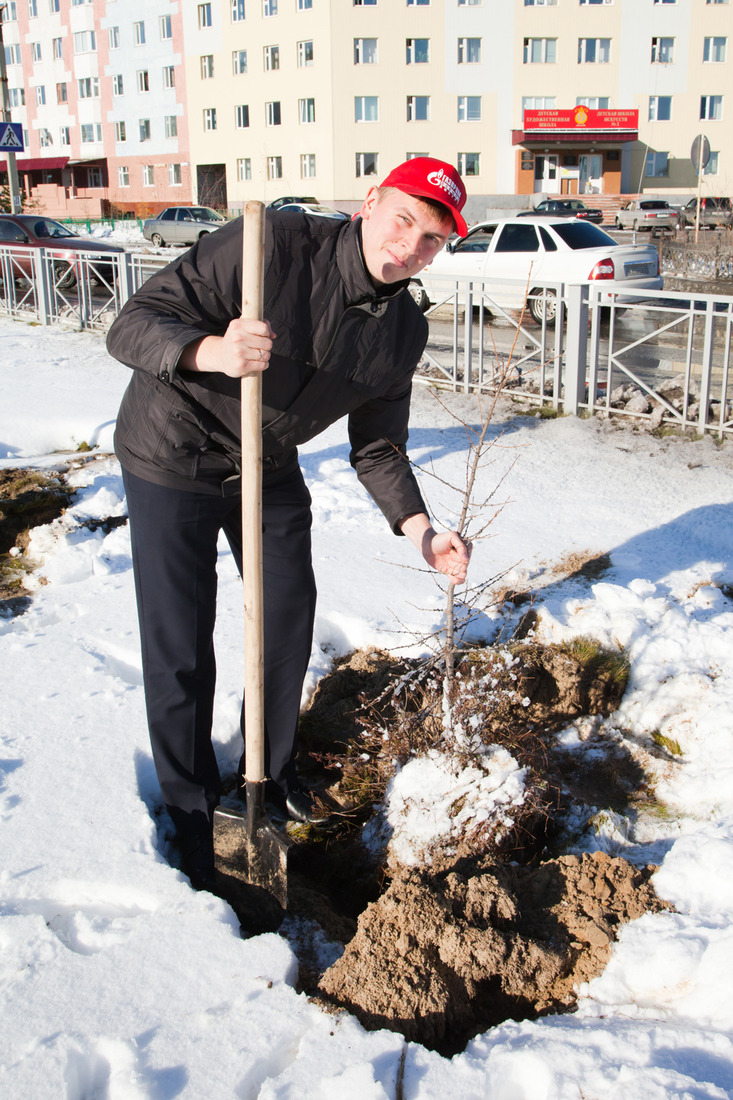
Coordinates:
column 340, row 348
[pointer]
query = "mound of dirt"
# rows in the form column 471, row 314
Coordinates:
column 442, row 957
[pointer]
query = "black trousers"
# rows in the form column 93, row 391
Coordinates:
column 174, row 536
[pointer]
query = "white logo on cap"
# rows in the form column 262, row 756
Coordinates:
column 445, row 183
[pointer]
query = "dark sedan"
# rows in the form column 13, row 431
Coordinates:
column 565, row 208
column 26, row 231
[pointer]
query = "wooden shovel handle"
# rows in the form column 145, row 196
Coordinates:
column 253, row 279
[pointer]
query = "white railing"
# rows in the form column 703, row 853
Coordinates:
column 674, row 349
column 84, row 289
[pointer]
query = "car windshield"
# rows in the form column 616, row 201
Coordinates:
column 205, row 214
column 47, row 227
column 651, row 205
column 582, row 234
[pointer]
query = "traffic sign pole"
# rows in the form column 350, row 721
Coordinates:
column 16, row 199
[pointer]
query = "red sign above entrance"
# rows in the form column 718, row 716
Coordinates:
column 581, row 118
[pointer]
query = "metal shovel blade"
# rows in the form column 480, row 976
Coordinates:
column 252, row 858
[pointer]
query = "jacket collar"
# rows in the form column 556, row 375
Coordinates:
column 353, row 270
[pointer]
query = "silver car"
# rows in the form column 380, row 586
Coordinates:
column 182, row 225
column 647, row 214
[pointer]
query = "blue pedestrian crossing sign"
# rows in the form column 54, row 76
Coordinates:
column 11, row 136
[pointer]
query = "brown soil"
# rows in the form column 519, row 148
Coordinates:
column 27, row 499
column 440, row 958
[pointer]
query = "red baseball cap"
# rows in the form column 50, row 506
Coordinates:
column 428, row 178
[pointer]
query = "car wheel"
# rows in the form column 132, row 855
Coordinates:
column 418, row 294
column 64, row 275
column 157, row 240
column 543, row 308
column 618, row 224
column 204, row 233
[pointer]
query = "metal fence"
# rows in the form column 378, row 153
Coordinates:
column 664, row 358
column 83, row 289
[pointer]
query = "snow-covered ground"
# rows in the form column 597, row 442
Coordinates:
column 118, row 981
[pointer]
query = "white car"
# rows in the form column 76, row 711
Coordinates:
column 517, row 255
column 314, row 209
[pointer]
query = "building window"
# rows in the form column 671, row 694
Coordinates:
column 366, row 108
column 594, row 51
column 470, row 3
column 595, row 102
column 714, row 49
column 11, row 13
column 538, row 102
column 717, row 1
column 711, row 168
column 711, row 107
column 365, row 3
column 244, row 169
column 469, row 164
column 418, row 108
column 65, row 135
column 118, row 84
column 113, row 38
column 169, row 76
column 418, row 51
column 36, row 51
column 418, row 3
column 207, row 66
column 367, row 164
column 541, row 3
column 272, row 113
column 58, row 49
column 307, row 166
column 469, row 51
column 663, row 50
column 305, row 54
column 656, row 164
column 44, row 138
column 139, row 32
column 237, row 11
column 54, row 6
column 85, row 42
column 174, row 175
column 600, row 1
column 123, row 175
column 143, row 80
column 144, row 129
column 94, row 176
column 62, row 94
column 204, row 16
column 12, row 54
column 120, row 131
column 660, row 108
column 241, row 116
column 269, row 7
column 165, row 27
column 665, row 1
column 305, row 5
column 17, row 96
column 33, row 9
column 540, row 51
column 148, row 175
column 307, row 109
column 274, row 168
column 89, row 87
column 91, row 131
column 171, row 126
column 469, row 108
column 365, row 51
column 210, row 118
column 272, row 58
column 41, row 95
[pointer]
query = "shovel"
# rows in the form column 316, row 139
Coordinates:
column 248, row 846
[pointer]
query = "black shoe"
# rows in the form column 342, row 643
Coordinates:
column 197, row 861
column 297, row 804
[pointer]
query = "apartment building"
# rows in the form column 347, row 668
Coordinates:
column 98, row 88
column 149, row 102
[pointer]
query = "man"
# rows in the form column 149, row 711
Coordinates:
column 341, row 336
